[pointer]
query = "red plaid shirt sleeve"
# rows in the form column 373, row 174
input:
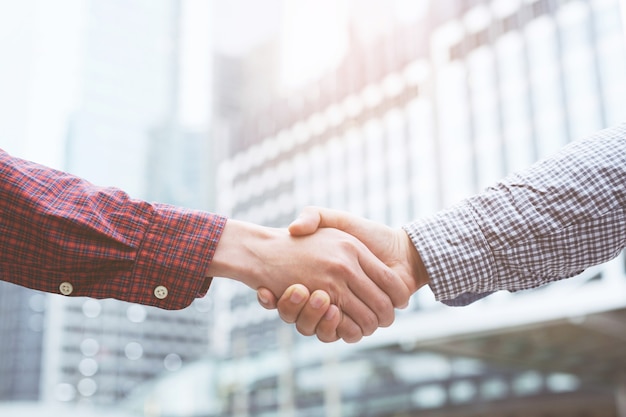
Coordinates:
column 61, row 234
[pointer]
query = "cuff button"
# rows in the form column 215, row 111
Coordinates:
column 160, row 292
column 66, row 288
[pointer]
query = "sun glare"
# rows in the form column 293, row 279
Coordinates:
column 314, row 37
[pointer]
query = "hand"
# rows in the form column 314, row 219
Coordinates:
column 392, row 246
column 362, row 287
column 314, row 311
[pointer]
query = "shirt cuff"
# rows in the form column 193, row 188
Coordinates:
column 170, row 268
column 455, row 253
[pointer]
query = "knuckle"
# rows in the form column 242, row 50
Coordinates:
column 385, row 311
column 389, row 278
column 346, row 242
column 403, row 301
column 395, row 287
column 326, row 332
column 340, row 267
column 327, row 337
column 350, row 334
column 382, row 304
column 303, row 330
column 336, row 291
column 353, row 339
column 402, row 297
column 287, row 314
column 387, row 320
column 369, row 324
column 286, row 318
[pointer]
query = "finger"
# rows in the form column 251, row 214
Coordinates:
column 313, row 312
column 366, row 306
column 372, row 298
column 307, row 222
column 356, row 294
column 326, row 329
column 266, row 298
column 292, row 302
column 349, row 330
column 387, row 280
column 312, row 218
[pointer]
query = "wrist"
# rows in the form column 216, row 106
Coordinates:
column 418, row 269
column 239, row 253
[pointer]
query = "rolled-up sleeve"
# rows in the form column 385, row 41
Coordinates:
column 549, row 222
column 62, row 234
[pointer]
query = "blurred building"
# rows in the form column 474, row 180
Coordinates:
column 128, row 81
column 21, row 342
column 179, row 167
column 125, row 133
column 120, row 129
column 428, row 114
column 38, row 96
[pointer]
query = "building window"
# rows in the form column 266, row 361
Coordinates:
column 375, row 171
column 396, row 166
column 355, row 173
column 422, row 158
column 514, row 102
column 545, row 82
column 611, row 55
column 336, row 173
column 319, row 181
column 579, row 70
column 485, row 115
column 454, row 133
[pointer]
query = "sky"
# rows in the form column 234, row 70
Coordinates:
column 41, row 44
column 313, row 33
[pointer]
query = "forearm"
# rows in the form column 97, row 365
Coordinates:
column 546, row 223
column 57, row 228
column 240, row 252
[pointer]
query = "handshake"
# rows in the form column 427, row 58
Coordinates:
column 333, row 274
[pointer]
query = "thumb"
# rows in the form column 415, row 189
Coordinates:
column 307, row 222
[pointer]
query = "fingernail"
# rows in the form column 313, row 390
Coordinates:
column 296, row 297
column 262, row 299
column 331, row 313
column 316, row 301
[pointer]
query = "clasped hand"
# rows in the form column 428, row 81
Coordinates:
column 361, row 269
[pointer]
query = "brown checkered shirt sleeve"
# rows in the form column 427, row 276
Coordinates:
column 543, row 224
